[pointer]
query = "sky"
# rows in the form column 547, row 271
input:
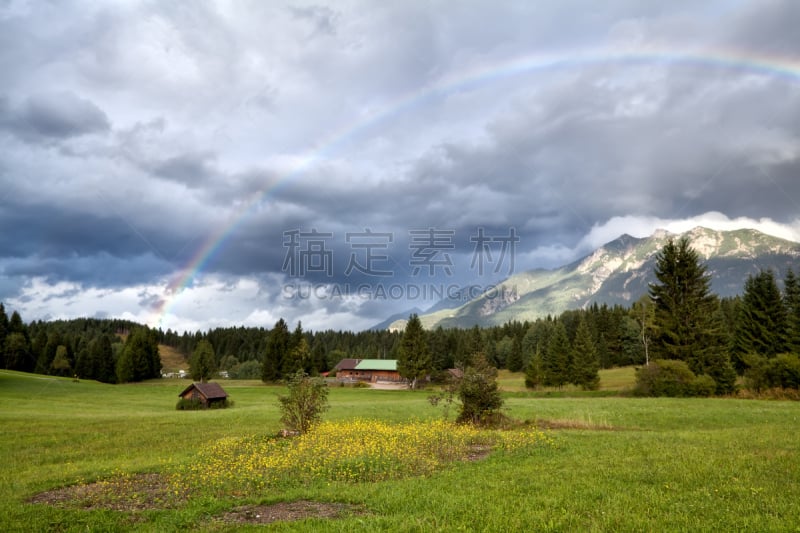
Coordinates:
column 192, row 165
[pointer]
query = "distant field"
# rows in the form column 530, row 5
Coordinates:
column 613, row 379
column 638, row 465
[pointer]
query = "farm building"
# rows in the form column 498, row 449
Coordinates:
column 206, row 393
column 371, row 370
column 346, row 364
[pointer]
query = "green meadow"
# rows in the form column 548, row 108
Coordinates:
column 617, row 463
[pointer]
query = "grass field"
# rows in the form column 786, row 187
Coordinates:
column 634, row 464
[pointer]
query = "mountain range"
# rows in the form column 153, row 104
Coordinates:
column 616, row 273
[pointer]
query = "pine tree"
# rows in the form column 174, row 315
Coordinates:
column 502, row 352
column 414, row 359
column 37, row 347
column 277, row 348
column 17, row 353
column 3, row 335
column 48, row 353
column 762, row 323
column 556, row 358
column 83, row 363
column 514, row 361
column 101, row 356
column 585, row 364
column 441, row 349
column 301, row 354
column 202, row 363
column 533, row 371
column 477, row 344
column 792, row 303
column 298, row 354
column 139, row 359
column 685, row 309
column 15, row 324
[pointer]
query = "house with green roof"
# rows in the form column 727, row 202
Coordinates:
column 371, row 370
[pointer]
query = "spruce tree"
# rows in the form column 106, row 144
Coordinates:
column 441, row 350
column 556, row 358
column 48, row 353
column 83, row 368
column 15, row 324
column 277, row 349
column 102, row 359
column 502, row 353
column 762, row 324
column 685, row 309
column 792, row 304
column 139, row 359
column 514, row 361
column 533, row 371
column 585, row 364
column 414, row 356
column 202, row 363
column 3, row 335
column 477, row 343
column 297, row 356
column 17, row 353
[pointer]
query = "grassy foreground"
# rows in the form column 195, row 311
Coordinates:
column 664, row 464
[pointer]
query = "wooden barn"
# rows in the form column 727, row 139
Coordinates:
column 346, row 365
column 371, row 370
column 207, row 394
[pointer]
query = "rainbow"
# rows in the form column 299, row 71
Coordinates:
column 787, row 68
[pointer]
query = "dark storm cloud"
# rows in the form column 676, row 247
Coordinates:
column 199, row 134
column 57, row 115
column 69, row 245
column 193, row 170
column 98, row 270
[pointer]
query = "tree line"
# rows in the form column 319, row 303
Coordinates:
column 107, row 350
column 756, row 335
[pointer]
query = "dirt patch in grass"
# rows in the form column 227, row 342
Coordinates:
column 478, row 452
column 288, row 511
column 143, row 492
column 134, row 492
column 573, row 424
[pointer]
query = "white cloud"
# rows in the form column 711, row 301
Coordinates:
column 641, row 226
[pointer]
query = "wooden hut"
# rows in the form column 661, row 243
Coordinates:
column 207, row 394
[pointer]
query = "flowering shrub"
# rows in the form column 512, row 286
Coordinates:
column 352, row 451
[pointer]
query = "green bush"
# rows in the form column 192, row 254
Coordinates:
column 247, row 370
column 189, row 405
column 703, row 385
column 779, row 372
column 307, row 398
column 479, row 394
column 672, row 378
column 784, row 371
